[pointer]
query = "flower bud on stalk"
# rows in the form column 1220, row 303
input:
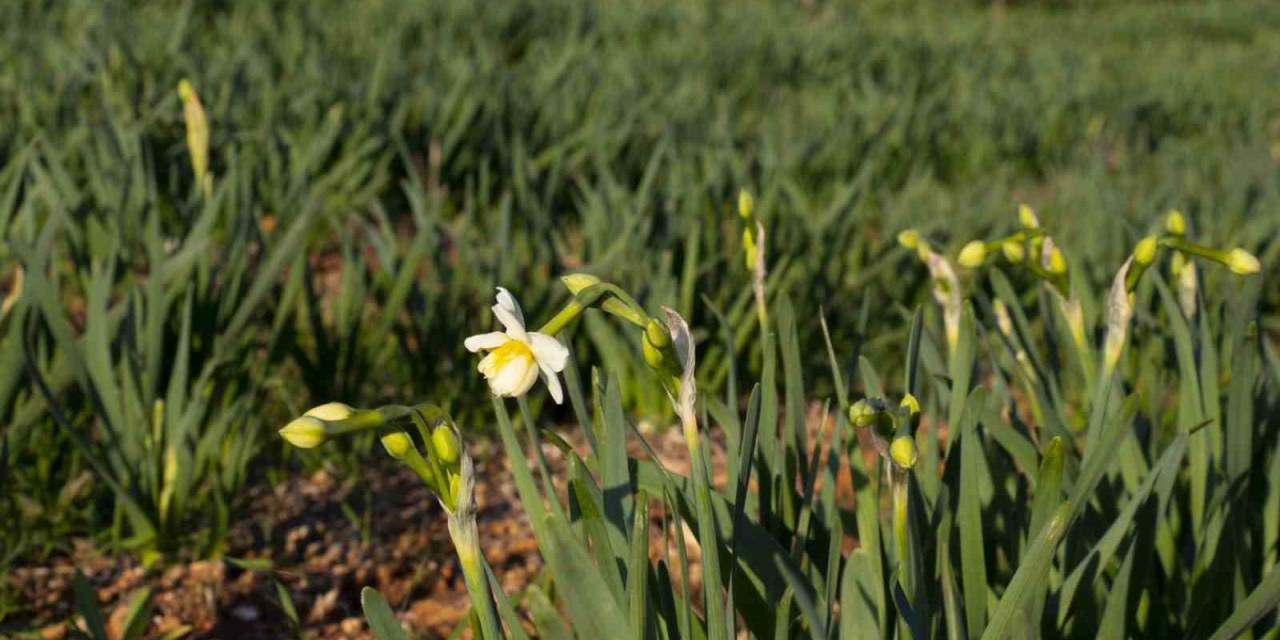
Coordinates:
column 1027, row 217
column 1013, row 251
column 972, row 255
column 1144, row 254
column 326, row 421
column 445, row 443
column 862, row 414
column 1175, row 224
column 1242, row 262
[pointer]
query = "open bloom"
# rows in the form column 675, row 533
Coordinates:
column 515, row 356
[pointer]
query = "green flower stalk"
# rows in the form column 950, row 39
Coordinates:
column 1238, row 260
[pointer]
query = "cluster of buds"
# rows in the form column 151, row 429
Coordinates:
column 444, row 468
column 946, row 286
column 655, row 337
column 1029, row 247
column 891, row 431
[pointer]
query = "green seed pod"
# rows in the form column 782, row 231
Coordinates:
column 445, row 442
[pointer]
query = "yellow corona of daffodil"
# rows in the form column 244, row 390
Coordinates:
column 516, row 356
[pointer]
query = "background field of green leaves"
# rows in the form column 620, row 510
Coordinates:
column 380, row 166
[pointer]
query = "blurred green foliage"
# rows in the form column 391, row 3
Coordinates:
column 378, row 167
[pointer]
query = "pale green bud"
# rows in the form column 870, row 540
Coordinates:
column 446, row 444
column 909, row 238
column 1013, row 251
column 1027, row 217
column 862, row 414
column 1242, row 262
column 656, row 333
column 398, row 444
column 576, row 282
column 304, row 432
column 1175, row 224
column 973, row 254
column 1057, row 263
column 903, row 451
column 1145, row 253
column 331, row 412
column 746, row 204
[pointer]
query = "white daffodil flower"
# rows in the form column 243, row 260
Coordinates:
column 516, row 356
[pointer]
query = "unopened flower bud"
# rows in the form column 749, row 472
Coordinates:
column 909, row 238
column 1145, row 253
column 397, row 444
column 903, row 451
column 911, row 404
column 1013, row 251
column 1242, row 262
column 1175, row 224
column 1027, row 217
column 576, row 282
column 304, row 432
column 331, row 411
column 1057, row 263
column 862, row 414
column 445, row 442
column 656, row 334
column 973, row 254
column 746, row 204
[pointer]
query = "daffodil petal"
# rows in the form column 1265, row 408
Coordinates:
column 512, row 323
column 552, row 381
column 491, row 340
column 508, row 302
column 515, row 378
column 549, row 351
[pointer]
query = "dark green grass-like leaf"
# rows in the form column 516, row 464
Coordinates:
column 1028, row 579
column 382, row 621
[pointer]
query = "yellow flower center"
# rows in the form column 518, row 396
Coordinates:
column 510, row 350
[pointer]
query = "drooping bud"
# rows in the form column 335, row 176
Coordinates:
column 397, row 443
column 1145, row 252
column 1242, row 262
column 304, row 432
column 331, row 411
column 446, row 445
column 576, row 282
column 973, row 254
column 1013, row 251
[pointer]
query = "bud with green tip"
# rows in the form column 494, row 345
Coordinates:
column 973, row 254
column 1242, row 262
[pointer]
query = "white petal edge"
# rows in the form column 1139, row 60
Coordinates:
column 508, row 302
column 549, row 351
column 491, row 340
column 513, row 324
column 553, row 383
